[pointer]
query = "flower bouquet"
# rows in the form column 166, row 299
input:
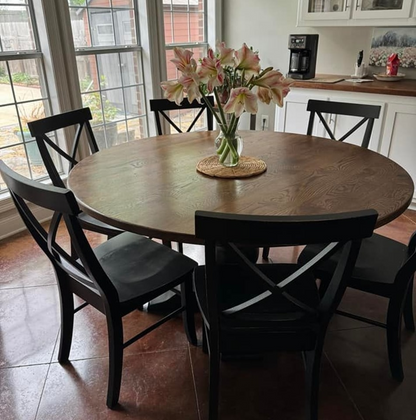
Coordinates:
column 237, row 82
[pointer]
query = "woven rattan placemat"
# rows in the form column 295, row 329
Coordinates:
column 248, row 166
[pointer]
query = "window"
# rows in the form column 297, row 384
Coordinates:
column 185, row 26
column 23, row 90
column 109, row 61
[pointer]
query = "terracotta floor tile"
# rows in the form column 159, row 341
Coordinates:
column 29, row 325
column 360, row 358
column 90, row 334
column 411, row 214
column 20, row 391
column 269, row 388
column 400, row 229
column 155, row 386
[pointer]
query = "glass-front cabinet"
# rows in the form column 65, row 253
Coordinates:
column 377, row 9
column 325, row 9
column 338, row 10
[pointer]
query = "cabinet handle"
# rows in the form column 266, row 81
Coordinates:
column 331, row 119
column 357, row 6
column 347, row 6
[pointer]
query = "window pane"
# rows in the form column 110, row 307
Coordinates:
column 80, row 28
column 135, row 102
column 87, row 73
column 124, row 24
column 6, row 94
column 137, row 128
column 123, row 3
column 102, row 29
column 113, row 105
column 109, row 70
column 9, row 126
column 196, row 27
column 16, row 20
column 131, row 68
column 76, row 2
column 25, row 76
column 181, row 28
column 15, row 157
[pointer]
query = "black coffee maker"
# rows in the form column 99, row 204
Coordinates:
column 303, row 51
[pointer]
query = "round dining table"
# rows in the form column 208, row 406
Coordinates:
column 151, row 186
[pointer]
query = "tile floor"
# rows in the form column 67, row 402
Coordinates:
column 166, row 379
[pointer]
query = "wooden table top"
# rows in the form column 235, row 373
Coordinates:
column 151, row 186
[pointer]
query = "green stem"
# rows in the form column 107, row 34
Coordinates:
column 222, row 114
column 211, row 108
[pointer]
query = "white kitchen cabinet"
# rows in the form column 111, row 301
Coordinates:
column 356, row 12
column 399, row 141
column 393, row 132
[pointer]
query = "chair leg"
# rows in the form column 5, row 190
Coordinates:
column 188, row 315
column 408, row 309
column 214, row 380
column 394, row 316
column 313, row 366
column 265, row 254
column 115, row 345
column 67, row 323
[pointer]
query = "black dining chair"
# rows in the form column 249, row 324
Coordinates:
column 368, row 114
column 253, row 308
column 386, row 268
column 115, row 278
column 80, row 119
column 161, row 108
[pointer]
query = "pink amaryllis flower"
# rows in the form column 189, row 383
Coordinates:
column 247, row 60
column 225, row 55
column 173, row 91
column 273, row 86
column 191, row 86
column 183, row 60
column 211, row 71
column 241, row 99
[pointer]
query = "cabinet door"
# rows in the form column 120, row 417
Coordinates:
column 294, row 118
column 311, row 10
column 381, row 9
column 399, row 137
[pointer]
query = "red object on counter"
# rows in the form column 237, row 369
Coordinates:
column 393, row 63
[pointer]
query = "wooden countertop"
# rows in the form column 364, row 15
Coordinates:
column 405, row 87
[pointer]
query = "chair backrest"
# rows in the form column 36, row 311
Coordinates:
column 161, row 106
column 85, row 276
column 344, row 230
column 39, row 129
column 408, row 269
column 368, row 113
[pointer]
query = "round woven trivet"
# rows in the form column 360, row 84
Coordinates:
column 248, row 166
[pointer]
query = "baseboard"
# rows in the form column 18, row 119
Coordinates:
column 11, row 222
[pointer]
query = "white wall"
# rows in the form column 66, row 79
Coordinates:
column 266, row 24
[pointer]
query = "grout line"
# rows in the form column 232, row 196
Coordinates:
column 409, row 219
column 43, row 389
column 344, row 386
column 194, row 382
column 27, row 287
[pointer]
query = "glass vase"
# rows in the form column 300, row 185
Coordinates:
column 229, row 149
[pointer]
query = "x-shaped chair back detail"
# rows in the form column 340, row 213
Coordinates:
column 40, row 129
column 161, row 107
column 368, row 113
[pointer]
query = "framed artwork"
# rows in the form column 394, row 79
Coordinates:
column 393, row 40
